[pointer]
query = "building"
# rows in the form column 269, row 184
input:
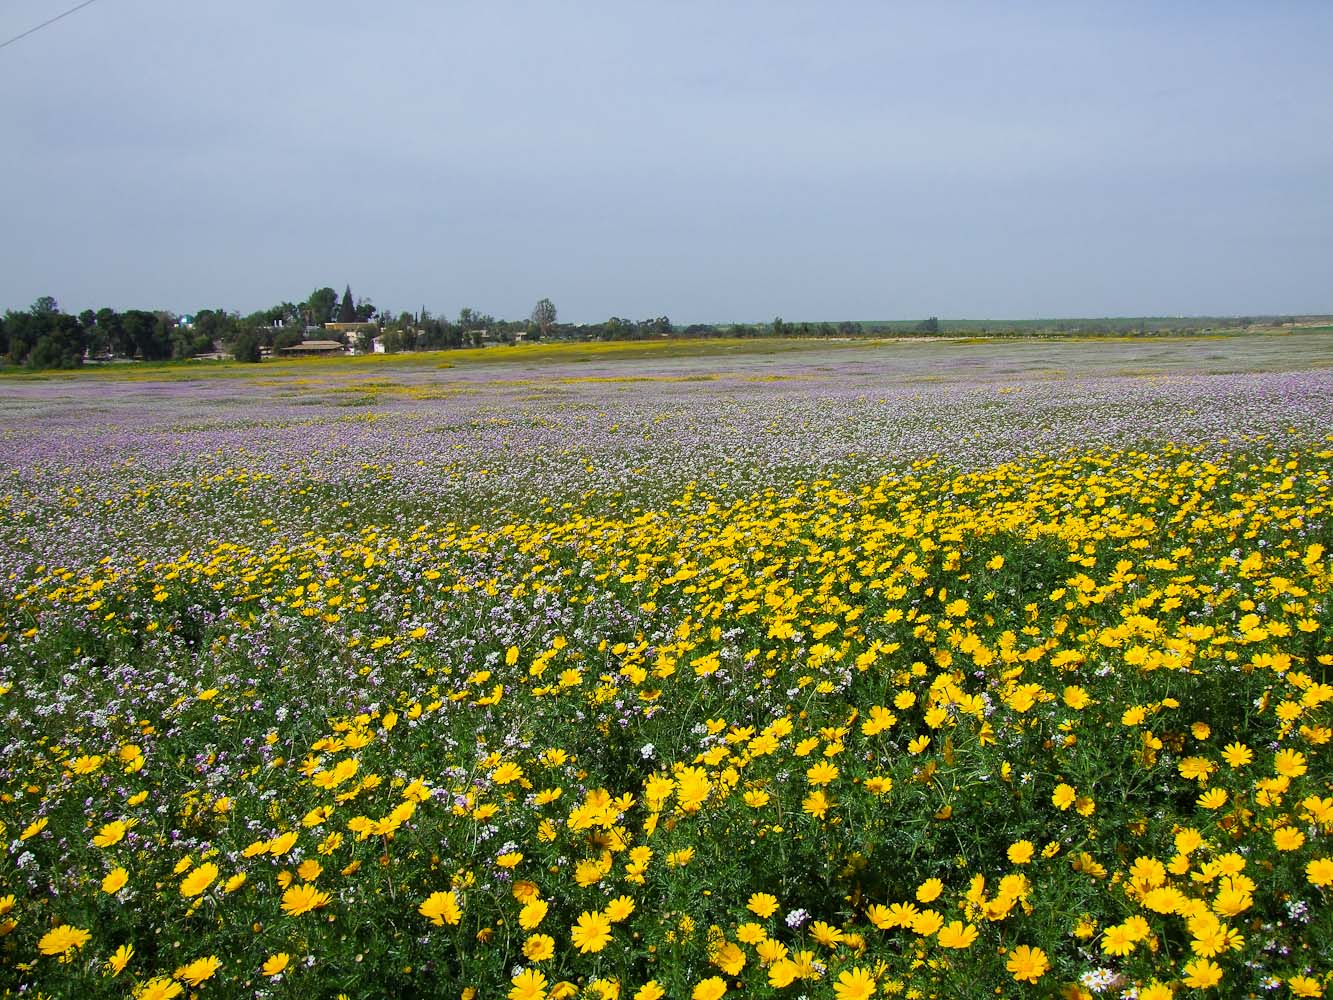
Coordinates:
column 311, row 348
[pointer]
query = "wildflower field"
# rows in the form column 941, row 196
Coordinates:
column 909, row 670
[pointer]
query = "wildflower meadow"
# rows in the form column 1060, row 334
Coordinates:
column 836, row 674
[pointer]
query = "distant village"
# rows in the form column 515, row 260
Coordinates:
column 325, row 324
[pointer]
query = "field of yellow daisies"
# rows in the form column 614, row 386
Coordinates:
column 796, row 679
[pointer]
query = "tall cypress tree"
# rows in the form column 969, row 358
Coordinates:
column 347, row 311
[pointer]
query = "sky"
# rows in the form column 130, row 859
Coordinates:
column 708, row 160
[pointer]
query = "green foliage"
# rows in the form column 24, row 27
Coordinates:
column 245, row 347
column 321, row 305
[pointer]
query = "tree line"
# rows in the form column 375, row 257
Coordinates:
column 43, row 336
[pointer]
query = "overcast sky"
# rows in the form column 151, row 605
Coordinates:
column 712, row 161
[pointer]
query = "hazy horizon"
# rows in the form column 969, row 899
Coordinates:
column 713, row 163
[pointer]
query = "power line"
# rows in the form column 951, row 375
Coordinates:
column 46, row 23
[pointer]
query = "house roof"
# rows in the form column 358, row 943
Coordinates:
column 314, row 345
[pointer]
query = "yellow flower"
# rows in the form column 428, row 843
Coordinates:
column 86, row 764
column 1320, row 872
column 957, row 935
column 822, row 773
column 282, row 843
column 1289, row 763
column 591, row 933
column 826, row 934
column 255, row 848
column 199, row 970
column 317, row 816
column 309, row 870
column 855, row 984
column 532, row 914
column 235, row 882
column 524, row 890
column 111, row 833
column 507, row 773
column 301, row 899
column 1137, row 927
column 63, row 940
column 1305, row 986
column 160, row 988
column 1133, row 715
column 1214, row 798
column 1288, row 838
column 1118, row 940
column 34, row 828
column 1076, row 697
column 619, row 909
column 762, row 905
column 680, row 858
column 198, row 880
column 751, row 933
column 730, row 958
column 115, row 881
column 651, row 990
column 539, row 947
column 816, row 804
column 529, row 984
column 119, row 959
column 1020, row 852
column 1201, row 974
column 275, row 964
column 927, row 922
column 442, row 908
column 712, row 988
column 783, row 973
column 1237, row 754
column 929, row 890
column 1188, row 840
column 1026, row 964
column 1064, row 796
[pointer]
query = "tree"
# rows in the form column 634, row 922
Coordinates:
column 213, row 325
column 931, row 325
column 45, row 306
column 779, row 327
column 145, row 335
column 112, row 326
column 287, row 338
column 347, row 311
column 543, row 316
column 474, row 326
column 61, row 343
column 398, row 339
column 321, row 304
column 246, row 347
